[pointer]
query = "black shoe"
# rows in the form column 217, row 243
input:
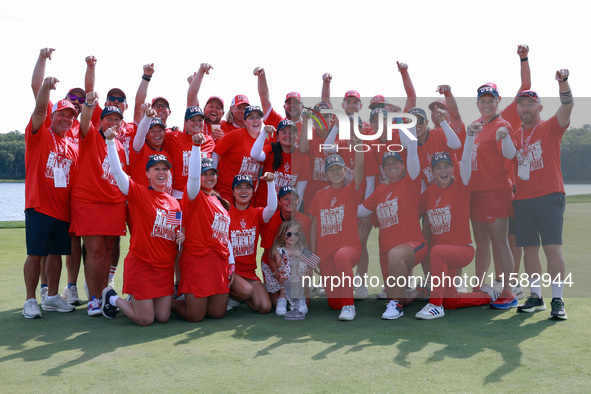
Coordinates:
column 532, row 304
column 558, row 311
column 109, row 311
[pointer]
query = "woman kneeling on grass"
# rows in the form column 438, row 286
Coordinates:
column 447, row 206
column 148, row 276
column 207, row 262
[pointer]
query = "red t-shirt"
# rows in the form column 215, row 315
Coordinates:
column 245, row 227
column 179, row 145
column 448, row 211
column 511, row 116
column 137, row 166
column 541, row 145
column 490, row 169
column 94, row 181
column 397, row 207
column 436, row 142
column 206, row 224
column 44, row 151
column 269, row 230
column 234, row 151
column 336, row 214
column 227, row 127
column 153, row 239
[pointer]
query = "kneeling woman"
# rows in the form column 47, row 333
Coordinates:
column 401, row 241
column 447, row 206
column 245, row 226
column 148, row 276
column 207, row 263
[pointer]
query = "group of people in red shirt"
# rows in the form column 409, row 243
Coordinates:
column 197, row 199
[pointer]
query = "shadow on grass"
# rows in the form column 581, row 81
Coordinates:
column 461, row 334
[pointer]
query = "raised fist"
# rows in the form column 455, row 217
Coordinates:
column 402, row 67
column 268, row 176
column 149, row 69
column 562, row 75
column 45, row 53
column 442, row 89
column 198, row 139
column 110, row 133
column 90, row 61
column 270, row 130
column 205, row 67
column 91, row 97
column 474, row 129
column 259, row 71
column 327, row 77
column 522, row 50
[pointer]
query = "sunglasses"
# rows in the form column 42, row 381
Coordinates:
column 73, row 97
column 420, row 120
column 294, row 234
column 116, row 99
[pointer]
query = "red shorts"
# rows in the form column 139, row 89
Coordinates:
column 144, row 282
column 419, row 248
column 247, row 272
column 203, row 276
column 490, row 205
column 92, row 218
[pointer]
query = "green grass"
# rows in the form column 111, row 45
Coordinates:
column 579, row 198
column 13, row 224
column 12, row 181
column 469, row 350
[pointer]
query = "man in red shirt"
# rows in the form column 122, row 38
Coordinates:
column 50, row 159
column 539, row 193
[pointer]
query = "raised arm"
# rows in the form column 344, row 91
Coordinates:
column 194, row 180
column 522, row 51
column 86, row 116
column 140, row 136
column 453, row 141
column 142, row 92
column 263, row 88
column 89, row 77
column 466, row 163
column 271, row 207
column 452, row 106
column 40, row 111
column 566, row 98
column 120, row 176
column 39, row 70
column 326, row 80
column 411, row 94
column 359, row 169
column 195, row 84
column 256, row 152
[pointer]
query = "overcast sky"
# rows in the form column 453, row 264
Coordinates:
column 460, row 43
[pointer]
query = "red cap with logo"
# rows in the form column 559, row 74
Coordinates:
column 353, row 93
column 62, row 105
column 239, row 99
column 294, row 95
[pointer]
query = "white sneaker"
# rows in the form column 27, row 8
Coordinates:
column 518, row 292
column 303, row 306
column 281, row 308
column 31, row 309
column 498, row 285
column 43, row 292
column 462, row 289
column 361, row 292
column 493, row 294
column 382, row 295
column 231, row 304
column 71, row 295
column 430, row 311
column 393, row 310
column 56, row 304
column 347, row 313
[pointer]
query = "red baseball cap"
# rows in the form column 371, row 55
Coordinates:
column 239, row 99
column 218, row 98
column 440, row 102
column 375, row 100
column 294, row 95
column 353, row 93
column 63, row 105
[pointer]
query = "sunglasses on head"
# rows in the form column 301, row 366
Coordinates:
column 293, row 234
column 116, row 99
column 73, row 97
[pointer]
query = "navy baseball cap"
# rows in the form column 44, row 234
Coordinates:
column 252, row 108
column 286, row 123
column 440, row 157
column 111, row 110
column 193, row 111
column 395, row 155
column 485, row 89
column 238, row 179
column 287, row 190
column 207, row 164
column 153, row 159
column 333, row 160
column 418, row 111
column 155, row 122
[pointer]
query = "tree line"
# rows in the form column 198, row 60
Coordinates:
column 576, row 156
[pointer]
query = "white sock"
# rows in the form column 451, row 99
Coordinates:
column 112, row 273
column 534, row 286
column 113, row 300
column 557, row 289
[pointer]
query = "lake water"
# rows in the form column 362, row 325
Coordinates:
column 12, row 204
